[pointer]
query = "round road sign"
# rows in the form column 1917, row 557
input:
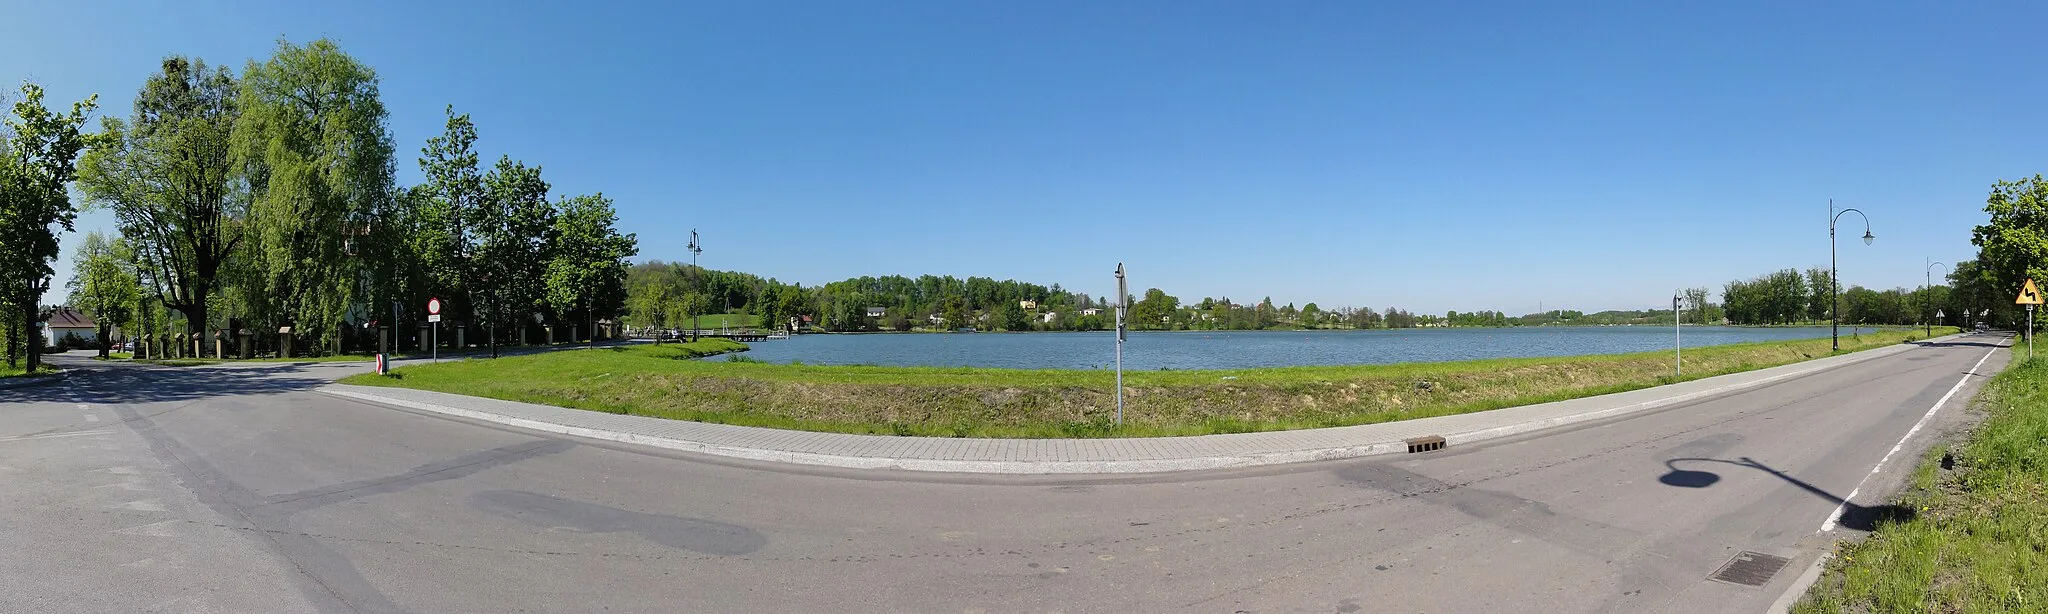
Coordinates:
column 433, row 306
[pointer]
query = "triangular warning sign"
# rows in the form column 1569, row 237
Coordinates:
column 2029, row 295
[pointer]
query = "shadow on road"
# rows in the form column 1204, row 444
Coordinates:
column 130, row 384
column 1854, row 516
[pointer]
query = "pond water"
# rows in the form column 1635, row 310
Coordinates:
column 1246, row 349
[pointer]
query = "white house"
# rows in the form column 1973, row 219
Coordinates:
column 68, row 321
column 1047, row 316
column 1090, row 311
column 876, row 312
column 935, row 318
column 1028, row 304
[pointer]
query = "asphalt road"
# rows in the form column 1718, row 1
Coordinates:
column 240, row 489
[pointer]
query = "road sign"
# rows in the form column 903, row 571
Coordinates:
column 433, row 317
column 2029, row 295
column 434, row 307
column 1939, row 314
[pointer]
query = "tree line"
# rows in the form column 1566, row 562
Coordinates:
column 267, row 201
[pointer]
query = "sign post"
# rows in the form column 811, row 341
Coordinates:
column 434, row 317
column 1123, row 294
column 2030, row 296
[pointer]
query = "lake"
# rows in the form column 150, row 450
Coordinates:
column 1246, row 349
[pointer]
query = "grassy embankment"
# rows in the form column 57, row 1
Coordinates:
column 969, row 402
column 1978, row 537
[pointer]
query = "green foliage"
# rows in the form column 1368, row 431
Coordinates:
column 312, row 141
column 103, row 284
column 37, row 166
column 2013, row 244
column 586, row 270
column 170, row 180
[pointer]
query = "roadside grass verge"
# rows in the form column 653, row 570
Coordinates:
column 1978, row 538
column 1009, row 403
column 43, row 369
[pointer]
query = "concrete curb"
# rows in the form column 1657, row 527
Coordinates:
column 1157, row 465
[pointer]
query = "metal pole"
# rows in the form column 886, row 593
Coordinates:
column 436, row 352
column 1834, row 284
column 1677, row 341
column 1122, row 298
column 2030, row 332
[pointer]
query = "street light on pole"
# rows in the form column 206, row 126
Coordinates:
column 696, row 274
column 1928, row 291
column 1834, row 272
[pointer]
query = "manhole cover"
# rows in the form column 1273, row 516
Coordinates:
column 1751, row 569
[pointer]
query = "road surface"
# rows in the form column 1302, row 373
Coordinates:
column 241, row 489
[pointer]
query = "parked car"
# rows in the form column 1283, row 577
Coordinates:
column 1981, row 327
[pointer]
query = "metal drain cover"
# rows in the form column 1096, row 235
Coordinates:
column 1750, row 569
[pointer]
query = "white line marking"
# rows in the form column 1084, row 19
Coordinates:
column 1837, row 515
column 84, row 406
column 56, row 435
column 91, row 418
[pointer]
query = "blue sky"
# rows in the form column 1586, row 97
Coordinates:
column 1430, row 156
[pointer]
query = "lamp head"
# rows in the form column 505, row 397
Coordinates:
column 1867, row 237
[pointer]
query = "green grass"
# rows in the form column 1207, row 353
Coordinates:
column 1978, row 537
column 970, row 402
column 43, row 369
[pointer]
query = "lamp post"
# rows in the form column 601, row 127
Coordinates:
column 698, row 273
column 1927, row 290
column 1834, row 273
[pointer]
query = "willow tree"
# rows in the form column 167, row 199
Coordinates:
column 169, row 178
column 312, row 141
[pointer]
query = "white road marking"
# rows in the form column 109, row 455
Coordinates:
column 56, row 435
column 91, row 418
column 1836, row 516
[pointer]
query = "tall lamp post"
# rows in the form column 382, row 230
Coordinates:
column 1835, row 274
column 1928, row 291
column 698, row 273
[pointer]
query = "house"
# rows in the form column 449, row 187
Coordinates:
column 935, row 318
column 67, row 321
column 876, row 312
column 1090, row 311
column 1048, row 316
column 1028, row 305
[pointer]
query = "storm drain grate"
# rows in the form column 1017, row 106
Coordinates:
column 1431, row 443
column 1751, row 569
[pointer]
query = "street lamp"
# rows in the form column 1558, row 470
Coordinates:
column 1928, row 291
column 698, row 275
column 1834, row 273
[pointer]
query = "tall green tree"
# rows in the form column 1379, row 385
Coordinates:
column 36, row 171
column 515, row 229
column 170, row 181
column 2013, row 244
column 311, row 138
column 450, row 210
column 586, row 271
column 103, row 285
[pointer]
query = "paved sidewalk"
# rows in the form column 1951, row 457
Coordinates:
column 1043, row 456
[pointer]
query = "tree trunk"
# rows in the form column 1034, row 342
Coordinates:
column 32, row 344
column 105, row 343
